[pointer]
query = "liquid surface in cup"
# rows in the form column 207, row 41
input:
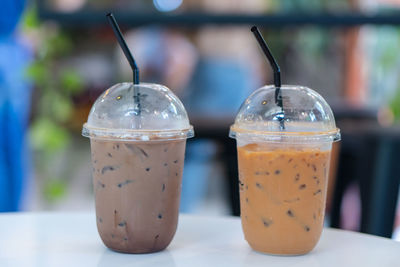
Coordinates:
column 137, row 189
column 282, row 197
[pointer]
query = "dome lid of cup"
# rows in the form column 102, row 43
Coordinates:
column 156, row 113
column 304, row 116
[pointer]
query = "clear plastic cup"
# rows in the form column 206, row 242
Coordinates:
column 138, row 146
column 283, row 157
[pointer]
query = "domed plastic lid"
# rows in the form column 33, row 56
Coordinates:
column 304, row 117
column 138, row 112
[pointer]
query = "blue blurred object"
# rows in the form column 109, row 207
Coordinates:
column 218, row 87
column 10, row 14
column 14, row 108
column 196, row 172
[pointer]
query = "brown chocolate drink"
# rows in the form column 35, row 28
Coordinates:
column 138, row 136
column 137, row 189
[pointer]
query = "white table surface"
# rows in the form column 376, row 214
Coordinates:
column 71, row 239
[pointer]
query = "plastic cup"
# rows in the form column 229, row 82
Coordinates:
column 137, row 159
column 283, row 174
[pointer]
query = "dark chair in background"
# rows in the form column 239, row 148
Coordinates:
column 217, row 130
column 369, row 156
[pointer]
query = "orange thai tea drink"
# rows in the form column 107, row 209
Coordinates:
column 283, row 157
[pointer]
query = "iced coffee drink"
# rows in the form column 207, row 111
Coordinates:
column 137, row 164
column 282, row 190
column 283, row 158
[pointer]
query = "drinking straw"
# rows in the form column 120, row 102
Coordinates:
column 129, row 57
column 124, row 47
column 275, row 68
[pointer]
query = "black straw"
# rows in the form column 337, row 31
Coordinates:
column 124, row 47
column 131, row 60
column 276, row 69
column 272, row 62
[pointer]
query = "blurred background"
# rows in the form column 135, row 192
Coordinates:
column 58, row 56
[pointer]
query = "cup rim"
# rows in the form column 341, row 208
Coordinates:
column 135, row 135
column 274, row 136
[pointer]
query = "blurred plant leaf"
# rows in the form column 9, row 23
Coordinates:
column 55, row 105
column 55, row 84
column 30, row 19
column 45, row 135
column 38, row 72
column 57, row 45
column 395, row 105
column 54, row 189
column 61, row 108
column 71, row 82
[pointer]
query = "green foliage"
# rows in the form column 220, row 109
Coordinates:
column 395, row 105
column 38, row 73
column 387, row 59
column 54, row 189
column 57, row 45
column 55, row 86
column 62, row 108
column 56, row 107
column 30, row 19
column 385, row 68
column 45, row 133
column 71, row 82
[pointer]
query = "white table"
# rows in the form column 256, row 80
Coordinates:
column 71, row 239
